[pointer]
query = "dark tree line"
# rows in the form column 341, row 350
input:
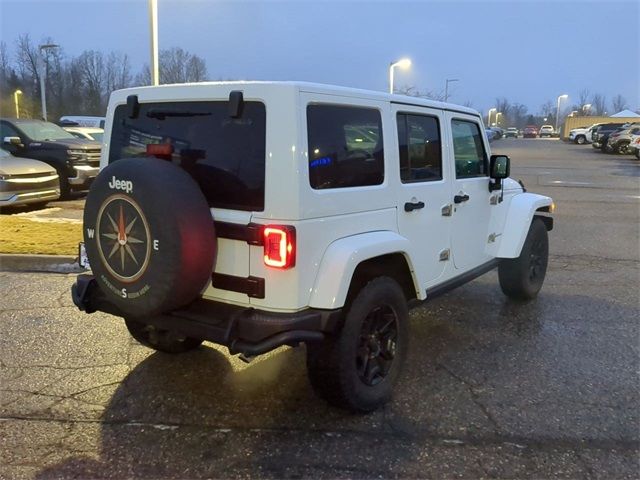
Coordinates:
column 80, row 85
column 517, row 114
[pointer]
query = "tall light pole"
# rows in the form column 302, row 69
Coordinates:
column 498, row 118
column 402, row 63
column 15, row 99
column 558, row 109
column 43, row 76
column 153, row 27
column 489, row 116
column 446, row 87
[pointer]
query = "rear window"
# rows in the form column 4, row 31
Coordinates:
column 345, row 146
column 225, row 155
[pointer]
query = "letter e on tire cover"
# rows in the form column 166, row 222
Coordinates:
column 149, row 236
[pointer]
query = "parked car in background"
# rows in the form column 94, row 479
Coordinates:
column 498, row 132
column 77, row 161
column 82, row 121
column 580, row 135
column 634, row 146
column 619, row 140
column 491, row 135
column 26, row 181
column 546, row 131
column 601, row 134
column 530, row 131
column 87, row 133
column 511, row 132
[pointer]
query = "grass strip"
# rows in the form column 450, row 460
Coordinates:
column 21, row 235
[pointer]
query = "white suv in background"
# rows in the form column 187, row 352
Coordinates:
column 262, row 214
column 546, row 131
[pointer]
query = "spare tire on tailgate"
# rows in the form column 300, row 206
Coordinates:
column 149, row 236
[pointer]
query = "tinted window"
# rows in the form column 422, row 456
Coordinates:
column 43, row 131
column 468, row 150
column 345, row 146
column 7, row 130
column 420, row 148
column 225, row 155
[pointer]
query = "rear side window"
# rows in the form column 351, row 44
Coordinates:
column 225, row 155
column 420, row 148
column 468, row 149
column 345, row 146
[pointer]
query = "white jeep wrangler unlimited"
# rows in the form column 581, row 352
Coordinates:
column 262, row 214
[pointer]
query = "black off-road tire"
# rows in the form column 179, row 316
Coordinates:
column 149, row 236
column 65, row 187
column 521, row 278
column 342, row 368
column 166, row 341
column 580, row 139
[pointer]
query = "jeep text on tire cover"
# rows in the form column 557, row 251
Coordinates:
column 262, row 214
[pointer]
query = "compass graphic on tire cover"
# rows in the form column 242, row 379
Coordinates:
column 123, row 238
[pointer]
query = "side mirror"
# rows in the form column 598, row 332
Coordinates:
column 15, row 141
column 499, row 167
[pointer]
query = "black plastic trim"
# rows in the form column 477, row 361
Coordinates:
column 242, row 329
column 251, row 233
column 461, row 279
column 252, row 286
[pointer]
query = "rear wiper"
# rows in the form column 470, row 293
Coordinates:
column 162, row 114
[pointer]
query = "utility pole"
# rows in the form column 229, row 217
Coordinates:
column 446, row 87
column 43, row 77
column 153, row 27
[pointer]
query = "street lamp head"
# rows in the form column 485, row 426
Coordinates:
column 563, row 96
column 18, row 92
column 402, row 63
column 48, row 45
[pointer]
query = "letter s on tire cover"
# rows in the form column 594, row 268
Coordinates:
column 149, row 236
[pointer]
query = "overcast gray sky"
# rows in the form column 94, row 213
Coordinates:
column 527, row 51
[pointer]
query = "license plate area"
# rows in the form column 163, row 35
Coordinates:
column 83, row 260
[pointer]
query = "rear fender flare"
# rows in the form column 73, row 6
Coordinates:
column 341, row 259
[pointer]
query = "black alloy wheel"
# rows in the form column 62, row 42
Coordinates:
column 377, row 348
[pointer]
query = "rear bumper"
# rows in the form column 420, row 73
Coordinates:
column 241, row 329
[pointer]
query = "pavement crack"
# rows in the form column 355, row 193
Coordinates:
column 474, row 397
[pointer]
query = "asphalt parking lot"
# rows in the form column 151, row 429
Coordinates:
column 492, row 388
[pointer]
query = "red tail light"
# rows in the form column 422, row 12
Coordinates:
column 279, row 246
column 160, row 150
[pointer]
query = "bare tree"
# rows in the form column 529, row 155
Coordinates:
column 412, row 91
column 92, row 68
column 27, row 63
column 518, row 115
column 179, row 66
column 548, row 110
column 117, row 72
column 599, row 104
column 619, row 103
column 583, row 97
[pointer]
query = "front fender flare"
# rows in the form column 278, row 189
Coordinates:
column 521, row 211
column 341, row 259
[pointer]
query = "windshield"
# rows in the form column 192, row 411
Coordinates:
column 225, row 155
column 43, row 131
column 97, row 136
column 4, row 154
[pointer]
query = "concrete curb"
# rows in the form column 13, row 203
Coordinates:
column 39, row 263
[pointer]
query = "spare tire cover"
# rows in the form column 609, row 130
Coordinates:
column 149, row 236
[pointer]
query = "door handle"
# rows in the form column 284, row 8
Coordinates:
column 460, row 198
column 411, row 206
